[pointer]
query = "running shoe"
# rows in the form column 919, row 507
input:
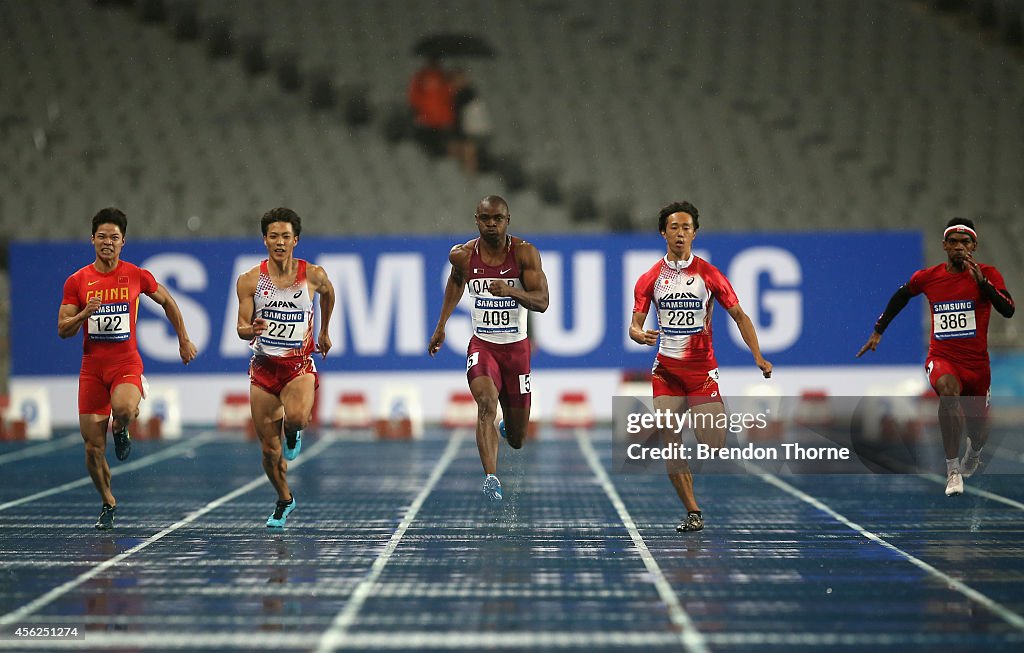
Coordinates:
column 122, row 444
column 106, row 520
column 694, row 522
column 954, row 483
column 969, row 464
column 281, row 512
column 501, row 430
column 492, row 488
column 292, row 446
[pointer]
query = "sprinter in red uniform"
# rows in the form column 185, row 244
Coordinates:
column 961, row 294
column 683, row 288
column 104, row 298
column 505, row 281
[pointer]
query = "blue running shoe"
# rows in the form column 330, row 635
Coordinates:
column 292, row 449
column 281, row 512
column 501, row 430
column 122, row 444
column 492, row 488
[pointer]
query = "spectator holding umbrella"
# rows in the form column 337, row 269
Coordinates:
column 432, row 102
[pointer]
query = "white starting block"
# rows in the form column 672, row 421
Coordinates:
column 401, row 413
column 573, row 411
column 235, row 414
column 162, row 406
column 29, row 410
column 352, row 411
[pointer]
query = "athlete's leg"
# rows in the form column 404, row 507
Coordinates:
column 267, row 417
column 708, row 426
column 297, row 399
column 678, row 471
column 951, row 414
column 485, row 393
column 124, row 405
column 517, row 425
column 94, row 433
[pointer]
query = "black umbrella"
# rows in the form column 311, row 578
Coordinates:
column 438, row 46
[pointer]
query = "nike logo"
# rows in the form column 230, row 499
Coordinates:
column 506, row 271
column 125, row 376
column 93, row 282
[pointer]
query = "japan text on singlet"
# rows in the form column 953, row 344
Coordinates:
column 289, row 315
column 682, row 292
column 500, row 320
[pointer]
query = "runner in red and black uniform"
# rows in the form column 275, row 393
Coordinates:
column 104, row 297
column 683, row 288
column 505, row 281
column 961, row 294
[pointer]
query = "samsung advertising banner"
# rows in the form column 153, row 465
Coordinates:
column 812, row 297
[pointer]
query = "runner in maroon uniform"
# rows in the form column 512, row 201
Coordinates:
column 505, row 281
column 104, row 297
column 961, row 294
column 685, row 375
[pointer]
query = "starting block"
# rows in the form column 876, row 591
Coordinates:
column 160, row 414
column 573, row 411
column 401, row 413
column 235, row 414
column 352, row 411
column 28, row 413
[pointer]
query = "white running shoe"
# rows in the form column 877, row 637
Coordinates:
column 969, row 464
column 954, row 483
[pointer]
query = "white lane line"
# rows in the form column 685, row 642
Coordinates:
column 41, row 449
column 145, row 461
column 1003, row 612
column 688, row 634
column 21, row 613
column 941, row 480
column 413, row 639
column 336, row 634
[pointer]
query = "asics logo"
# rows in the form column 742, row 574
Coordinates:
column 690, row 280
column 296, row 295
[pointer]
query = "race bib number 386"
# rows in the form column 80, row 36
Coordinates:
column 953, row 320
column 110, row 323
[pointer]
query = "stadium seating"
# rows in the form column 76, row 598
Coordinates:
column 783, row 115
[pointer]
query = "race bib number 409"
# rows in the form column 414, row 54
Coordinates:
column 110, row 323
column 954, row 320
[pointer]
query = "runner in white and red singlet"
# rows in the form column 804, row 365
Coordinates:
column 961, row 294
column 275, row 314
column 682, row 286
column 505, row 281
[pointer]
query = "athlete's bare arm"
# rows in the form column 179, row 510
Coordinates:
column 70, row 319
column 247, row 327
column 186, row 349
column 319, row 283
column 637, row 333
column 750, row 338
column 453, row 291
column 534, row 293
